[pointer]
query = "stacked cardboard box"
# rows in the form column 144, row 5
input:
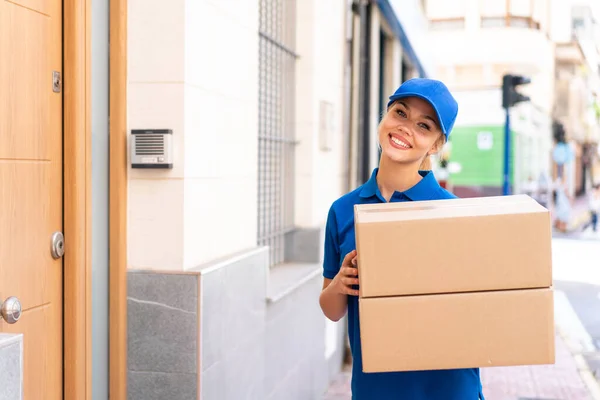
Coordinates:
column 459, row 283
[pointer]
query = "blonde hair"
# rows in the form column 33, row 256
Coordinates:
column 426, row 162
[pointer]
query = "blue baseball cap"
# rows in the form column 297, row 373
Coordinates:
column 434, row 92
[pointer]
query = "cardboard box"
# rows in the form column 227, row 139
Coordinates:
column 448, row 246
column 461, row 283
column 461, row 330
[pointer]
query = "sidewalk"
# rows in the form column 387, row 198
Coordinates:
column 561, row 381
column 580, row 212
column 580, row 216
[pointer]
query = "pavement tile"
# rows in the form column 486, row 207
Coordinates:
column 560, row 381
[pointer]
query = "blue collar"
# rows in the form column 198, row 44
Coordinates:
column 426, row 189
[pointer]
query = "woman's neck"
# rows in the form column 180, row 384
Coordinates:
column 393, row 177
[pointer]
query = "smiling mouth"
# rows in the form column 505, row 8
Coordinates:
column 399, row 143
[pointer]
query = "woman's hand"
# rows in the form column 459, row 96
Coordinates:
column 347, row 276
column 334, row 296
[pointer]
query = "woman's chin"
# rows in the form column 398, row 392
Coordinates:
column 398, row 156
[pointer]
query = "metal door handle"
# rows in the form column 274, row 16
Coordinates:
column 10, row 310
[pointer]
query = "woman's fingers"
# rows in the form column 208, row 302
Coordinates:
column 349, row 274
column 350, row 281
column 348, row 258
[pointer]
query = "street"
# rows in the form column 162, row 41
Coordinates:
column 576, row 273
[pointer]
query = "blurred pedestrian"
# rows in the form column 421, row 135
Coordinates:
column 594, row 207
column 543, row 191
column 562, row 154
column 563, row 206
column 419, row 118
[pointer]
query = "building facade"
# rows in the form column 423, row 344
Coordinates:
column 577, row 40
column 475, row 43
column 274, row 116
column 224, row 248
column 169, row 237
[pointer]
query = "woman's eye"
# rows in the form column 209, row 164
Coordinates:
column 401, row 113
column 424, row 126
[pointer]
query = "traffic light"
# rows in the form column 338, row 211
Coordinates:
column 510, row 96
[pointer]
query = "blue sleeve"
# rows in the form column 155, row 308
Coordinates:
column 331, row 258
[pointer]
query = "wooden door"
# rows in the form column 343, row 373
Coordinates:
column 31, row 203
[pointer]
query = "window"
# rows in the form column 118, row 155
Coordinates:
column 276, row 140
column 444, row 9
column 518, row 14
column 447, row 24
column 493, row 22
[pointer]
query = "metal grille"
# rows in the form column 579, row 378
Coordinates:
column 276, row 140
column 149, row 144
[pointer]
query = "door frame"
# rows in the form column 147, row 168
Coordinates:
column 118, row 185
column 77, row 299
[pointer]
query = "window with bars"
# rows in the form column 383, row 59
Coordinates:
column 276, row 136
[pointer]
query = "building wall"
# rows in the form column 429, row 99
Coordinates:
column 218, row 311
column 11, row 366
column 578, row 76
column 320, row 174
column 181, row 77
column 471, row 57
column 204, row 307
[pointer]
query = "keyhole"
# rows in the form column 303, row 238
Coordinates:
column 56, row 81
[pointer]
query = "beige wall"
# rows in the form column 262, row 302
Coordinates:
column 193, row 67
column 184, row 75
column 320, row 175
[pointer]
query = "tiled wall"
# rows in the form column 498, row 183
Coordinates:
column 305, row 245
column 162, row 325
column 296, row 368
column 233, row 331
column 11, row 366
column 228, row 331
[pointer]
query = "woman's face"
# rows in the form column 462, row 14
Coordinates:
column 409, row 131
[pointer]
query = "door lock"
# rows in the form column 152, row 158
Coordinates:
column 58, row 245
column 10, row 310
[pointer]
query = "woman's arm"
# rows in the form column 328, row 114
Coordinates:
column 334, row 296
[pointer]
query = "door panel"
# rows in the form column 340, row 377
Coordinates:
column 31, row 204
column 41, row 6
column 24, row 211
column 26, row 79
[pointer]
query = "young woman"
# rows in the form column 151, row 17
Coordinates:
column 419, row 118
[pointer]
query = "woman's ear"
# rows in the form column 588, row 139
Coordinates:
column 437, row 146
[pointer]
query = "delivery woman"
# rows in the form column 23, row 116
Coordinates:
column 419, row 118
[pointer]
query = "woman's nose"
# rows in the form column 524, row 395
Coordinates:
column 405, row 131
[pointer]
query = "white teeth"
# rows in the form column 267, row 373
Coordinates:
column 400, row 143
